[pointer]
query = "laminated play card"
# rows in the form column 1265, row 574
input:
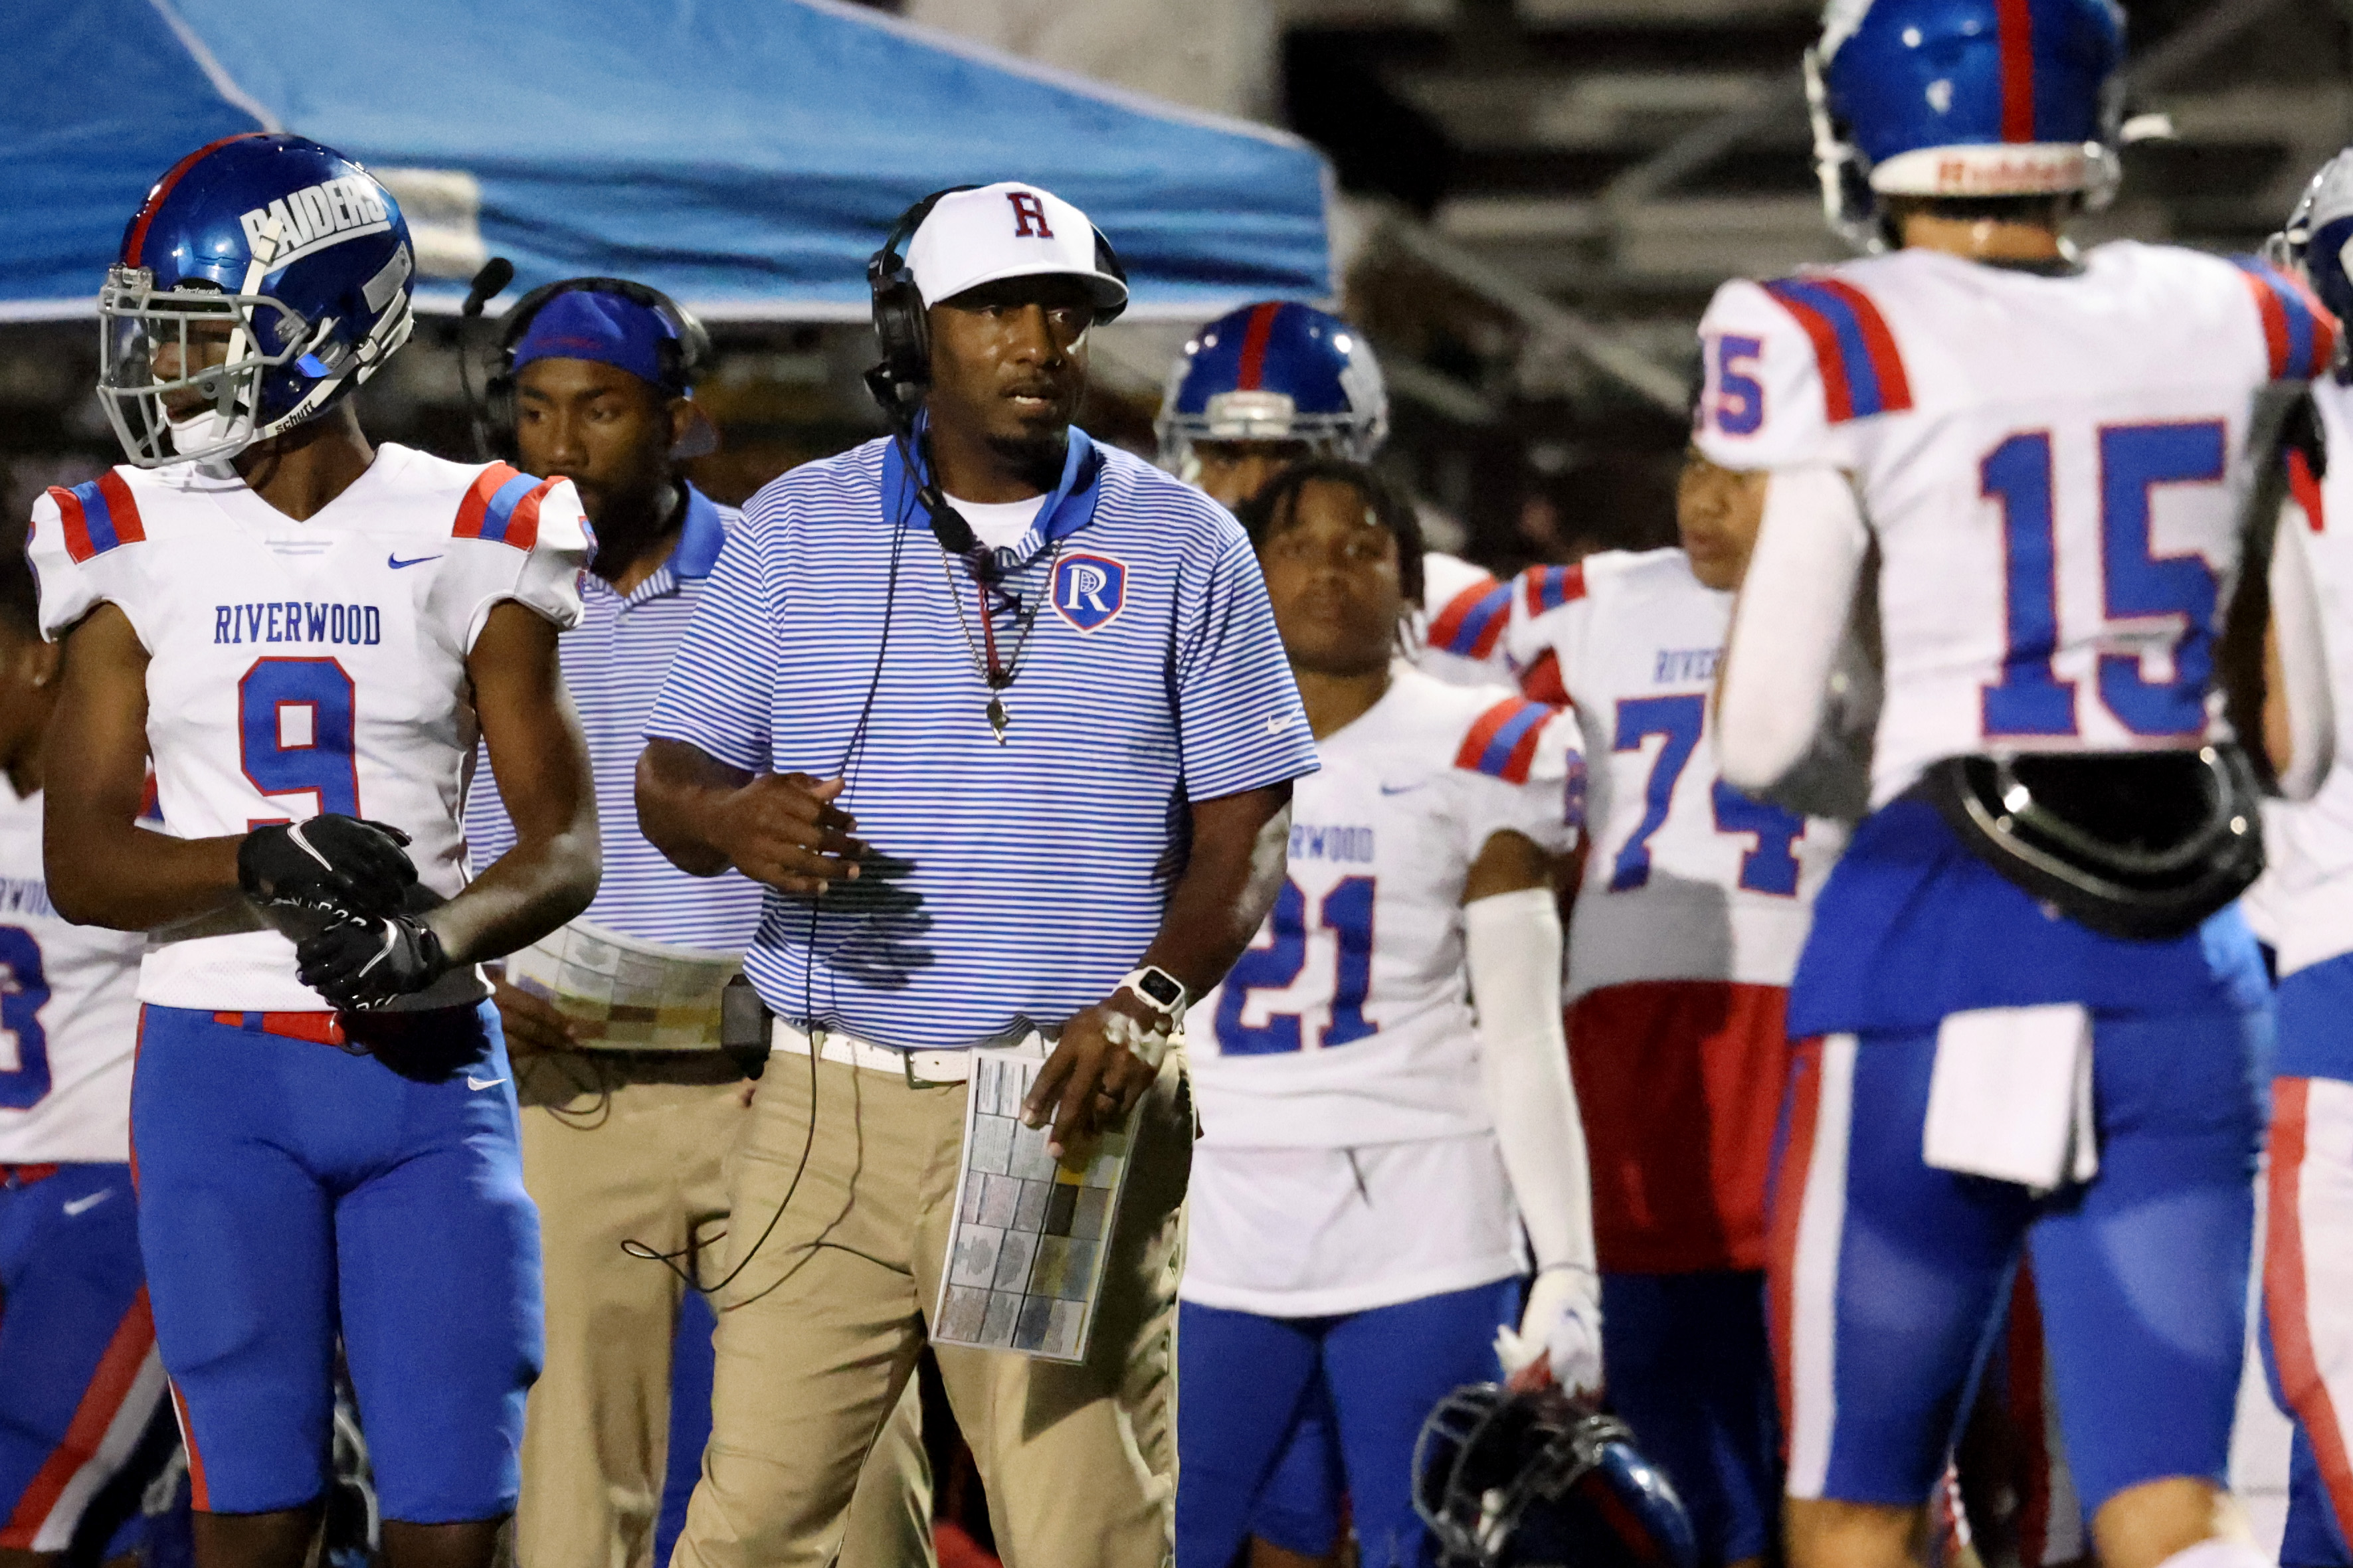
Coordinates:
column 1025, row 1255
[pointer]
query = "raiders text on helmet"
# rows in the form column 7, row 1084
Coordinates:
column 263, row 279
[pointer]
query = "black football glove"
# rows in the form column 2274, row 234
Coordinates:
column 342, row 864
column 364, row 962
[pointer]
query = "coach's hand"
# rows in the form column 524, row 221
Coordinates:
column 785, row 830
column 533, row 1026
column 1090, row 1083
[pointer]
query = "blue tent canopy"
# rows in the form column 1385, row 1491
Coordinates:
column 746, row 156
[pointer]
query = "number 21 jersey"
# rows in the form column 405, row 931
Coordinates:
column 1348, row 1019
column 301, row 667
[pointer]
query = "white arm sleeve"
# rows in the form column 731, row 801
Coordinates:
column 1787, row 626
column 1514, row 944
column 2296, row 622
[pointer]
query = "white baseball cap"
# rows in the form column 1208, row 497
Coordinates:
column 1010, row 230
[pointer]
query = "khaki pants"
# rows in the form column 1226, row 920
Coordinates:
column 818, row 1336
column 615, row 1150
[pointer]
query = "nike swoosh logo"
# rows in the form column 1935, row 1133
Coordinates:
column 1279, row 723
column 395, row 562
column 76, row 1207
column 1403, row 789
column 473, row 1082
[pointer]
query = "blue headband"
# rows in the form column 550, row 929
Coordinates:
column 607, row 328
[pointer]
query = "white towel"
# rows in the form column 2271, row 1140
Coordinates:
column 2011, row 1096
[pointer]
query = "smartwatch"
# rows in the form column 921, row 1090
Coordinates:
column 1163, row 990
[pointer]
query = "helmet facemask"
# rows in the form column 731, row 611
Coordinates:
column 185, row 373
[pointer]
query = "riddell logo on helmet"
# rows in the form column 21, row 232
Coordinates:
column 2009, row 175
column 313, row 218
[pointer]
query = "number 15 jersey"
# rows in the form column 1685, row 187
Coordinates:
column 2050, row 463
column 301, row 667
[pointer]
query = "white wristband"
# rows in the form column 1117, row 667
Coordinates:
column 1148, row 1043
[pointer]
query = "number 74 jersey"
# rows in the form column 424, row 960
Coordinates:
column 2051, row 466
column 1685, row 877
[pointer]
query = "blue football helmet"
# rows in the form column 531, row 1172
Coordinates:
column 263, row 279
column 1275, row 372
column 1964, row 97
column 2318, row 240
column 1535, row 1479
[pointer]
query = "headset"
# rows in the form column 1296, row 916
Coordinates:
column 900, row 378
column 680, row 357
column 904, row 373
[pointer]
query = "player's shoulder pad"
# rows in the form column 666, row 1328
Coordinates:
column 1544, row 589
column 1853, row 349
column 504, row 506
column 2299, row 334
column 1506, row 737
column 1544, row 601
column 1469, row 609
column 95, row 516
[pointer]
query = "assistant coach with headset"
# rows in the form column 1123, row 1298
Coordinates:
column 623, row 1143
column 1001, row 717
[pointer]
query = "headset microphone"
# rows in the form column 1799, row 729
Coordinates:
column 495, row 275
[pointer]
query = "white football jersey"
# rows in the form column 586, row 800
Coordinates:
column 2308, row 888
column 301, row 667
column 1348, row 1020
column 2051, row 464
column 1685, row 878
column 1458, row 635
column 1348, row 1158
column 68, row 1014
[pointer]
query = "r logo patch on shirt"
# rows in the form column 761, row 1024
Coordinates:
column 1090, row 590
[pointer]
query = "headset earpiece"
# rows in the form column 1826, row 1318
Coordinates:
column 1107, row 260
column 900, row 379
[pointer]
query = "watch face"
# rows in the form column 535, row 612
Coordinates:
column 1160, row 987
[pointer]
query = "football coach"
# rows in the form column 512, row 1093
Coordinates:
column 1000, row 718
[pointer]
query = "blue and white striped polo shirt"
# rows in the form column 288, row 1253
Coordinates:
column 1003, row 885
column 614, row 663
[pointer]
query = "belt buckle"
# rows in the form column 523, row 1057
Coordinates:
column 907, row 1068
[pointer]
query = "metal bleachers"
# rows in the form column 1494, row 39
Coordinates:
column 1580, row 173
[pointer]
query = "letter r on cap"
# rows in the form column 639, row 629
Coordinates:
column 1029, row 216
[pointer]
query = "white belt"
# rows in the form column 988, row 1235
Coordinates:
column 917, row 1068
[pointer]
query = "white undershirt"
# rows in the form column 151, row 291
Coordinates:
column 999, row 524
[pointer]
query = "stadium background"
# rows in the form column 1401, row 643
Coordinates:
column 1533, row 200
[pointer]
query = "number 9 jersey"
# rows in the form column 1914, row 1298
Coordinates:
column 2049, row 461
column 301, row 667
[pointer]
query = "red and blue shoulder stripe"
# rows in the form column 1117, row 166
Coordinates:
column 502, row 506
column 1503, row 741
column 1473, row 621
column 99, row 514
column 2299, row 334
column 1550, row 587
column 1863, row 373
